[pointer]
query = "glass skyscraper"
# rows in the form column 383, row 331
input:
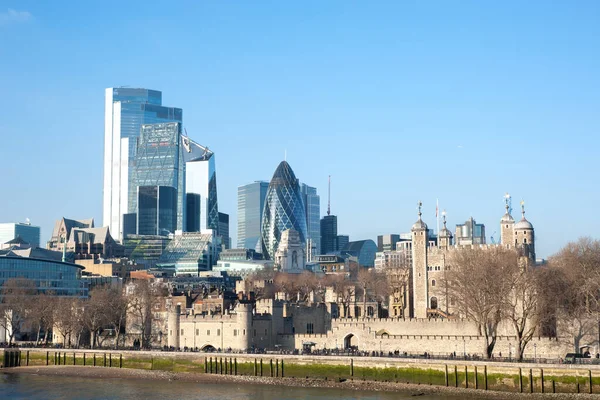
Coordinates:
column 201, row 203
column 251, row 204
column 329, row 234
column 126, row 110
column 284, row 209
column 312, row 204
column 27, row 232
column 158, row 163
column 156, row 210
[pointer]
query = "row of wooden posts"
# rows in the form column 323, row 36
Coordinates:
column 521, row 388
column 229, row 366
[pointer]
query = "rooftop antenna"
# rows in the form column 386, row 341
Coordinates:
column 329, row 197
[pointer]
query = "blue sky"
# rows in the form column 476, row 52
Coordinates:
column 398, row 101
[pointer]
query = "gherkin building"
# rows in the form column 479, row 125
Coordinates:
column 284, row 209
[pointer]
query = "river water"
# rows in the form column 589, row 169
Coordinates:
column 34, row 387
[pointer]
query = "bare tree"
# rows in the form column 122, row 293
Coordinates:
column 67, row 317
column 344, row 289
column 42, row 314
column 578, row 308
column 142, row 301
column 480, row 281
column 17, row 301
column 397, row 276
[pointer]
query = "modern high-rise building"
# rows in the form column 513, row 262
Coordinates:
column 126, row 110
column 251, row 204
column 470, row 233
column 156, row 210
column 158, row 163
column 329, row 234
column 284, row 209
column 387, row 242
column 201, row 205
column 224, row 230
column 312, row 204
column 342, row 241
column 26, row 231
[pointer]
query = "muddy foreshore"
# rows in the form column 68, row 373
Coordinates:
column 414, row 390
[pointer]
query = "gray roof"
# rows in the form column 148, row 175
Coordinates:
column 523, row 224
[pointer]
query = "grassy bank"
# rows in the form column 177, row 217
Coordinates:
column 505, row 379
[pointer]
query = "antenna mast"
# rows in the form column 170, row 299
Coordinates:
column 329, row 197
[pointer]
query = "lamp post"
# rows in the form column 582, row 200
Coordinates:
column 464, row 348
column 510, row 352
column 380, row 348
column 534, row 352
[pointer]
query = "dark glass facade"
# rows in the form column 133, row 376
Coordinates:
column 192, row 212
column 58, row 278
column 329, row 234
column 284, row 209
column 157, row 210
column 251, row 204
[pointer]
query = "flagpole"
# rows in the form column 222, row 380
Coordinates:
column 437, row 217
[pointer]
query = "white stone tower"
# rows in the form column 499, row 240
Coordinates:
column 419, row 256
column 507, row 232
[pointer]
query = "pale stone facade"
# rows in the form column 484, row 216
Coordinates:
column 290, row 256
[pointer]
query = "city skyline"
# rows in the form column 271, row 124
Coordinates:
column 398, row 103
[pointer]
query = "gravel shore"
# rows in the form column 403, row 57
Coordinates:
column 414, row 390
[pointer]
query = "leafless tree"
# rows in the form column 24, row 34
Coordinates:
column 41, row 315
column 577, row 265
column 67, row 318
column 16, row 304
column 142, row 301
column 480, row 282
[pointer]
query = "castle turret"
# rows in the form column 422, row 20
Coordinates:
column 445, row 236
column 524, row 235
column 173, row 323
column 244, row 326
column 419, row 270
column 507, row 232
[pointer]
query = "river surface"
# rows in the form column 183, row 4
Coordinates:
column 33, row 387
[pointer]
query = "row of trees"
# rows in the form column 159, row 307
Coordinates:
column 25, row 310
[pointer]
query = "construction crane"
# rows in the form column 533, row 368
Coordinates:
column 492, row 238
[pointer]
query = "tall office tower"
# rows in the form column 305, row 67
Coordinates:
column 251, row 203
column 284, row 209
column 329, row 234
column 26, row 231
column 125, row 110
column 312, row 204
column 201, row 203
column 158, row 163
column 470, row 233
column 224, row 230
column 342, row 241
column 387, row 242
column 156, row 210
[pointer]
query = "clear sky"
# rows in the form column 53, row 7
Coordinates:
column 398, row 101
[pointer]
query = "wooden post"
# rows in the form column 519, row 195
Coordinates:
column 261, row 367
column 282, row 369
column 589, row 378
column 235, row 360
column 476, row 381
column 205, row 365
column 542, row 379
column 351, row 367
column 455, row 376
column 211, row 366
column 221, row 365
column 485, row 381
column 520, row 380
column 577, row 381
column 94, row 359
column 84, row 359
column 466, row 378
column 27, row 362
column 530, row 381
column 553, row 386
column 47, row 358
column 255, row 369
column 110, row 360
column 74, row 359
column 446, row 374
column 105, row 359
column 65, row 358
column 121, row 360
column 226, row 366
column 271, row 363
column 277, row 368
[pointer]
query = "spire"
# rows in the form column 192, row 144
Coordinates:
column 329, row 197
column 419, row 205
column 523, row 208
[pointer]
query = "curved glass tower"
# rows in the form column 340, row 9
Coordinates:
column 284, row 209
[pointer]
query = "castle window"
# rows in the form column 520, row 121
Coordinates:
column 182, row 332
column 208, row 333
column 197, row 332
column 507, row 226
column 235, row 332
column 218, row 332
column 525, row 240
column 310, row 328
column 433, row 282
